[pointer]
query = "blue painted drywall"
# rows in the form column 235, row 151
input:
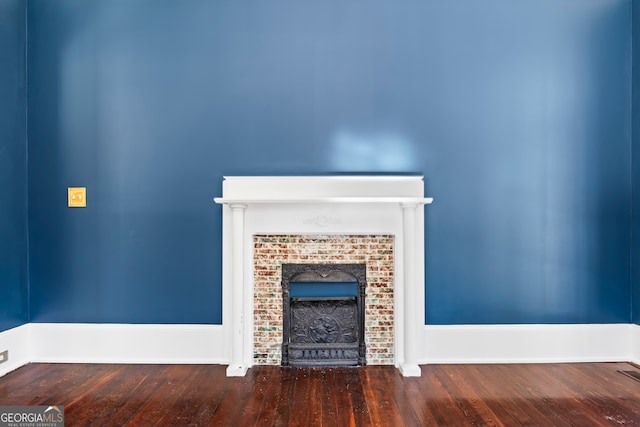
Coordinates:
column 634, row 276
column 13, row 166
column 517, row 113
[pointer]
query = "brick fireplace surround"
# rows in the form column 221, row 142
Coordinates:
column 270, row 251
column 378, row 220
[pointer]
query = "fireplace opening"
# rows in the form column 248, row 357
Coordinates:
column 323, row 314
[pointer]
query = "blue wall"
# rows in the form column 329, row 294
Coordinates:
column 635, row 183
column 13, row 166
column 517, row 113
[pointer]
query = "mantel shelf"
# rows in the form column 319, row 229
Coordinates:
column 370, row 200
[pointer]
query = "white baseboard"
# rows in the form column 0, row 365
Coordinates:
column 527, row 343
column 16, row 341
column 125, row 343
column 635, row 344
column 197, row 344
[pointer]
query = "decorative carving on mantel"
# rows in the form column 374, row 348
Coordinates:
column 322, row 221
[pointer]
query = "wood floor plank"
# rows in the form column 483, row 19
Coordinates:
column 583, row 394
column 384, row 406
column 413, row 397
column 503, row 401
column 228, row 406
column 600, row 391
column 476, row 411
column 542, row 389
column 339, row 385
column 282, row 413
column 202, row 398
column 440, row 403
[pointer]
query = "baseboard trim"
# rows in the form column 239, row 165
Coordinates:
column 127, row 343
column 198, row 344
column 527, row 343
column 237, row 370
column 16, row 341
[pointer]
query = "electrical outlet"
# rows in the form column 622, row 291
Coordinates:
column 77, row 197
column 4, row 356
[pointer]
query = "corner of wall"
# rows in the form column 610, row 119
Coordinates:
column 634, row 276
column 634, row 338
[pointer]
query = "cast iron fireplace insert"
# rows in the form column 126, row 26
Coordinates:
column 327, row 330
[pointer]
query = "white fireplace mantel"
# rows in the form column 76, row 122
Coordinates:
column 322, row 205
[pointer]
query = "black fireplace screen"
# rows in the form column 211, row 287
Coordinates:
column 323, row 325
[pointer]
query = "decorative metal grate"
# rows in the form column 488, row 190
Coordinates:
column 328, row 330
column 631, row 374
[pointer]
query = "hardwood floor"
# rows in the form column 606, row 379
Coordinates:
column 581, row 394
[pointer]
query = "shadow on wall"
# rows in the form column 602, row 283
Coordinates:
column 608, row 168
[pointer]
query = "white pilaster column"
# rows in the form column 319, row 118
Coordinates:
column 409, row 366
column 237, row 367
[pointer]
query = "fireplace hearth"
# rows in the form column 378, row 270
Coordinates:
column 324, row 330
